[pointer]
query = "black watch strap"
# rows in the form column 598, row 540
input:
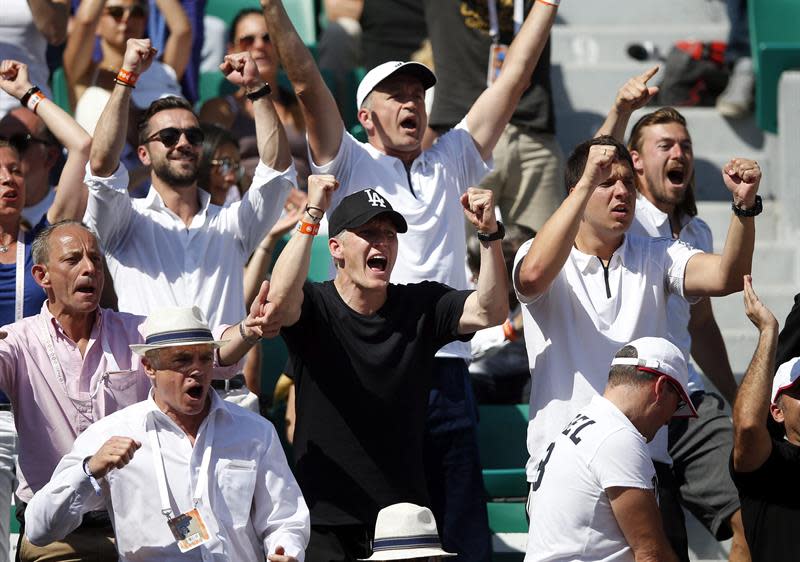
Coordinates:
column 498, row 234
column 264, row 90
column 753, row 211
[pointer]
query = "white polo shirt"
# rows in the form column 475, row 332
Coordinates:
column 427, row 195
column 651, row 221
column 156, row 260
column 571, row 515
column 573, row 330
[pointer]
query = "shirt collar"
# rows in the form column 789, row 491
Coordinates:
column 658, row 217
column 155, row 202
column 53, row 321
column 585, row 262
column 217, row 407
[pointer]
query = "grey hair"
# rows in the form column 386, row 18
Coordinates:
column 40, row 248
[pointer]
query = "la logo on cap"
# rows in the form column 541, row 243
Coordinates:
column 374, row 199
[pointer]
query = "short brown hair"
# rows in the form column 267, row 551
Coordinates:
column 628, row 374
column 576, row 163
column 664, row 116
column 162, row 104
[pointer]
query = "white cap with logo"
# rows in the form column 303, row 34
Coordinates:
column 387, row 69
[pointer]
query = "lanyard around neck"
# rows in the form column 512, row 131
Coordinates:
column 19, row 300
column 158, row 464
column 494, row 24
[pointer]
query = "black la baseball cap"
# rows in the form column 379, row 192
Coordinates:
column 361, row 207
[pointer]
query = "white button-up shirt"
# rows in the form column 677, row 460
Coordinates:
column 156, row 260
column 427, row 195
column 573, row 330
column 252, row 503
column 651, row 221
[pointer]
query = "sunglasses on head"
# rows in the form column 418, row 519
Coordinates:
column 247, row 41
column 117, row 12
column 170, row 136
column 22, row 141
column 227, row 165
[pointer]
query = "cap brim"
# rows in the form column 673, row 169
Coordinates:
column 687, row 410
column 784, row 388
column 359, row 220
column 142, row 348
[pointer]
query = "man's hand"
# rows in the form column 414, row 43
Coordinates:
column 636, row 93
column 479, row 209
column 598, row 165
column 320, row 190
column 115, row 453
column 741, row 177
column 14, row 78
column 280, row 556
column 139, row 55
column 761, row 317
column 240, row 69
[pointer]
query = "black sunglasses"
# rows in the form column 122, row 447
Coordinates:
column 170, row 136
column 135, row 11
column 22, row 141
column 247, row 41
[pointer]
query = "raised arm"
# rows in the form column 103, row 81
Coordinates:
column 291, row 269
column 50, row 18
column 752, row 444
column 71, row 194
column 80, row 43
column 109, row 135
column 553, row 243
column 715, row 275
column 491, row 112
column 321, row 114
column 639, row 519
column 708, row 349
column 633, row 95
column 176, row 51
column 488, row 305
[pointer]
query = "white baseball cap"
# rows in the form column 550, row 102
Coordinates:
column 659, row 356
column 785, row 377
column 383, row 71
column 404, row 531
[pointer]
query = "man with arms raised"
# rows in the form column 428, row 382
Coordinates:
column 69, row 366
column 181, row 470
column 362, row 350
column 663, row 160
column 174, row 247
column 589, row 287
column 593, row 497
column 764, row 466
column 425, row 187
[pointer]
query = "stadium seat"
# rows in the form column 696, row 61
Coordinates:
column 301, row 12
column 775, row 44
column 58, row 84
column 501, row 437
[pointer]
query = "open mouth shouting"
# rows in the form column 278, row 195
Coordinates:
column 377, row 263
column 194, row 390
column 677, row 175
column 620, row 211
column 86, row 287
column 409, row 124
column 10, row 195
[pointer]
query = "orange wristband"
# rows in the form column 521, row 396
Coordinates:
column 309, row 228
column 509, row 332
column 126, row 78
column 35, row 99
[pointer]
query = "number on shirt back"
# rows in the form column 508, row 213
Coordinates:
column 572, row 430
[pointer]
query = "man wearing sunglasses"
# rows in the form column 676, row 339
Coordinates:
column 174, row 248
column 593, row 496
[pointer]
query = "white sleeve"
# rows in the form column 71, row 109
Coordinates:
column 262, row 204
column 521, row 253
column 676, row 256
column 57, row 509
column 348, row 156
column 622, row 459
column 460, row 153
column 109, row 209
column 280, row 514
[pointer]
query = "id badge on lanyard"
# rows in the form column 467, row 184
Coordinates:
column 497, row 50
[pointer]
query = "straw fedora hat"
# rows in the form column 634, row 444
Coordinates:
column 404, row 531
column 174, row 326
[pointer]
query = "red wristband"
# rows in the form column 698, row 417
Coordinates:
column 509, row 332
column 308, row 228
column 553, row 3
column 126, row 78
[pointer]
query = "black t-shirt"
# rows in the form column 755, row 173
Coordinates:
column 459, row 33
column 362, row 385
column 770, row 499
column 391, row 30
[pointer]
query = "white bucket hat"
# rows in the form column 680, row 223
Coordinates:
column 659, row 356
column 404, row 531
column 175, row 326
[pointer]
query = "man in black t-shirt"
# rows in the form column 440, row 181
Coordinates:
column 764, row 468
column 363, row 353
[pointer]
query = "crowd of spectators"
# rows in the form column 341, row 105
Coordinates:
column 142, row 262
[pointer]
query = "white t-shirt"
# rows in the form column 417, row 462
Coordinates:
column 427, row 195
column 573, row 329
column 651, row 221
column 571, row 515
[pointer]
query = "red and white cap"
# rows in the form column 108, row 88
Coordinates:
column 659, row 356
column 785, row 377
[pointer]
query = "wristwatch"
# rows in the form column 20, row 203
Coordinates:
column 498, row 234
column 753, row 211
column 264, row 90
